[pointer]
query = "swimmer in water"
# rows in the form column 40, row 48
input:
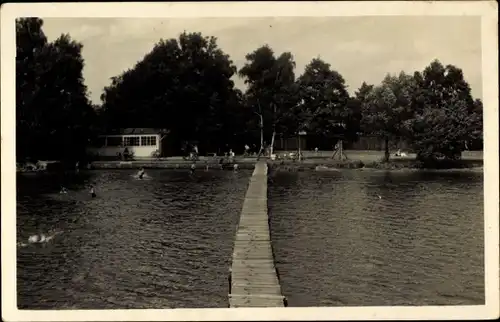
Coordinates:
column 235, row 167
column 193, row 167
column 36, row 239
column 141, row 173
column 92, row 191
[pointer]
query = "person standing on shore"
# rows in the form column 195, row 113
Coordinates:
column 195, row 149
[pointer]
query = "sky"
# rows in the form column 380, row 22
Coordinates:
column 359, row 48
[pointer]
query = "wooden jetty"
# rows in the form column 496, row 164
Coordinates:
column 253, row 277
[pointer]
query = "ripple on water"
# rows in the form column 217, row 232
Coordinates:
column 158, row 243
column 338, row 243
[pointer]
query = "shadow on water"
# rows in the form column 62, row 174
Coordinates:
column 157, row 243
column 378, row 238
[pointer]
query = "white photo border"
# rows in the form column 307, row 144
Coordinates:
column 488, row 10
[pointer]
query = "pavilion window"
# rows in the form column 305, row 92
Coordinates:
column 131, row 141
column 148, row 140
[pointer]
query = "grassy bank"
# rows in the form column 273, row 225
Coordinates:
column 358, row 159
column 320, row 160
column 174, row 164
column 367, row 156
column 326, row 164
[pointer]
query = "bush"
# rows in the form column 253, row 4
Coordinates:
column 445, row 163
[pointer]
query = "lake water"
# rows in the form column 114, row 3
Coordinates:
column 361, row 237
column 344, row 238
column 162, row 242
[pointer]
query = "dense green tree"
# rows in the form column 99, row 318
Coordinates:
column 329, row 111
column 360, row 98
column 363, row 92
column 184, row 85
column 446, row 115
column 53, row 112
column 388, row 107
column 272, row 92
column 475, row 141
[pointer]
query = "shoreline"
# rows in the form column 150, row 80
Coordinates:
column 313, row 164
column 362, row 161
column 392, row 165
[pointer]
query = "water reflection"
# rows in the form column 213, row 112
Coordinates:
column 159, row 243
column 378, row 238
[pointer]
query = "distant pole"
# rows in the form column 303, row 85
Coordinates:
column 299, row 134
column 300, row 157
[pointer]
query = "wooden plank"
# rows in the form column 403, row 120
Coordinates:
column 251, row 249
column 253, row 284
column 256, row 278
column 254, row 205
column 250, row 271
column 255, row 244
column 248, row 277
column 254, row 223
column 257, row 222
column 256, row 268
column 252, row 255
column 268, row 300
column 251, row 239
column 253, row 261
column 250, row 264
column 255, row 251
column 252, row 232
column 245, row 233
column 257, row 296
column 261, row 201
column 243, row 227
column 249, row 254
column 250, row 246
column 236, row 305
column 254, row 218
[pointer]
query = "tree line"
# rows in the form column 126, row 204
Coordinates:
column 185, row 85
